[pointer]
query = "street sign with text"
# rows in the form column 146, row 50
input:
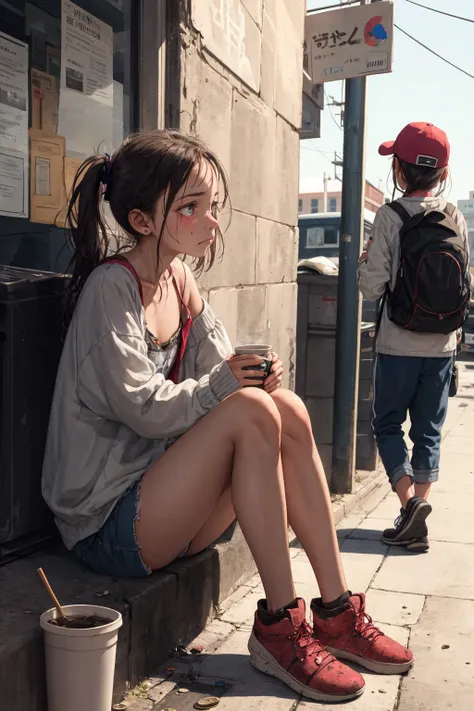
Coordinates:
column 350, row 42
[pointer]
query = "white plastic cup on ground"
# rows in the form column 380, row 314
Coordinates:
column 80, row 663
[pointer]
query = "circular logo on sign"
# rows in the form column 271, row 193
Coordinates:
column 374, row 32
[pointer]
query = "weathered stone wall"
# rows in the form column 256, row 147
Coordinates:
column 240, row 66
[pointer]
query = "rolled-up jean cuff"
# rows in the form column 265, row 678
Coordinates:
column 399, row 473
column 426, row 476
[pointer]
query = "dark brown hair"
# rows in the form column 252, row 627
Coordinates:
column 417, row 177
column 145, row 167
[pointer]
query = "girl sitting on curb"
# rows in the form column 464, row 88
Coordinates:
column 155, row 443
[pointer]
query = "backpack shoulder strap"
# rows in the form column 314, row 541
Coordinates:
column 402, row 213
column 380, row 308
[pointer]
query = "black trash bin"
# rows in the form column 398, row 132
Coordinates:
column 315, row 367
column 31, row 308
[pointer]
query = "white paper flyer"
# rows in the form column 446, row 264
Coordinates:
column 86, row 98
column 13, row 127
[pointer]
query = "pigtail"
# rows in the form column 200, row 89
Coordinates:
column 87, row 228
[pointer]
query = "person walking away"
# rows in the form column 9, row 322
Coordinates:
column 417, row 263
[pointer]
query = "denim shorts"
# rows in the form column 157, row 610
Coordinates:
column 114, row 549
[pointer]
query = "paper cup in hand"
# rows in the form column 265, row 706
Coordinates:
column 259, row 349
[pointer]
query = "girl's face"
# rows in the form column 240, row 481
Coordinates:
column 191, row 224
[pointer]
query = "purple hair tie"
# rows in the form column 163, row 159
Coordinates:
column 106, row 175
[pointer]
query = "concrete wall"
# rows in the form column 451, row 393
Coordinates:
column 240, row 65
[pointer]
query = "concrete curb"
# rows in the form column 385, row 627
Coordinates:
column 169, row 608
column 375, row 484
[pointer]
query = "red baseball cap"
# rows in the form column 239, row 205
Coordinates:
column 420, row 144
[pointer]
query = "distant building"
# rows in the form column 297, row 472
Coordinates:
column 325, row 196
column 467, row 209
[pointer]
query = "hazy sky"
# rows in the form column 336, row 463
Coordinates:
column 421, row 87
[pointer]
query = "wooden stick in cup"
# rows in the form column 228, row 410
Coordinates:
column 51, row 592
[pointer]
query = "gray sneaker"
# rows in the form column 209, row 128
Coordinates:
column 421, row 545
column 410, row 527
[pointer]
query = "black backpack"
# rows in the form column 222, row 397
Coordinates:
column 433, row 284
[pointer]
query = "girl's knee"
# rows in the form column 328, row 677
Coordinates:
column 254, row 407
column 294, row 414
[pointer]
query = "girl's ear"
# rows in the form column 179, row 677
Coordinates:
column 139, row 222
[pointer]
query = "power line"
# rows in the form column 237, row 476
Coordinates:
column 324, row 153
column 435, row 53
column 330, row 111
column 440, row 12
column 316, row 150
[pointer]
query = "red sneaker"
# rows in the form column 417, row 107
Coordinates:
column 351, row 635
column 288, row 651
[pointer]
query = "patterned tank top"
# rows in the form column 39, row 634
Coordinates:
column 163, row 355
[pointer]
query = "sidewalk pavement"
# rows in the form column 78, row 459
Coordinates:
column 425, row 600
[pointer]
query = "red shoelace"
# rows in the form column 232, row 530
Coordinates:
column 310, row 645
column 364, row 625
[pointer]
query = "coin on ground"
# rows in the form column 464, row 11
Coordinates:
column 207, row 702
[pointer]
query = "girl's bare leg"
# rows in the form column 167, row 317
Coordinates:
column 222, row 516
column 423, row 490
column 307, row 495
column 239, row 441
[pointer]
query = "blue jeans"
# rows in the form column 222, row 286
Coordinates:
column 419, row 386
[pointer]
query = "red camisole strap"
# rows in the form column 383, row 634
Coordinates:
column 174, row 374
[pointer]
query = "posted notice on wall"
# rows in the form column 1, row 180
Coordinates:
column 86, row 100
column 13, row 127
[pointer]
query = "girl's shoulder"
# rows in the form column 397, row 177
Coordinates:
column 386, row 218
column 109, row 303
column 108, row 287
column 115, row 275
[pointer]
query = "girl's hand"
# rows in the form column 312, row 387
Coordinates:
column 363, row 256
column 237, row 363
column 273, row 382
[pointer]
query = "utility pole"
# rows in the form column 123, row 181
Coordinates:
column 338, row 105
column 348, row 297
column 337, row 163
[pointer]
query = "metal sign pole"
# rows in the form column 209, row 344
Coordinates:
column 348, row 297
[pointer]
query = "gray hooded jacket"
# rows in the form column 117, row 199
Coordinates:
column 112, row 413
